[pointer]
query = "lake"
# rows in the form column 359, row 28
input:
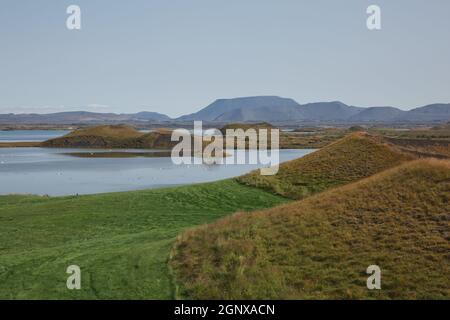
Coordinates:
column 55, row 172
column 30, row 135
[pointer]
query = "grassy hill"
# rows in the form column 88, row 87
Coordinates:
column 113, row 136
column 315, row 248
column 121, row 241
column 351, row 158
column 320, row 247
column 123, row 136
column 107, row 131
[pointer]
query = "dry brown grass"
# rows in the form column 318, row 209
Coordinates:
column 320, row 247
column 107, row 131
column 113, row 136
column 438, row 148
column 349, row 159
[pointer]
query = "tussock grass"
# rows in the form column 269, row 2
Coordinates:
column 320, row 247
column 346, row 160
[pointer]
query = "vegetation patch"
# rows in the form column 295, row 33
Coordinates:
column 113, row 136
column 349, row 159
column 121, row 241
column 320, row 247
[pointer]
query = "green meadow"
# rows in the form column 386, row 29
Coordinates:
column 121, row 241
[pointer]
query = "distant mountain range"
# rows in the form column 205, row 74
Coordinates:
column 80, row 117
column 253, row 109
column 277, row 109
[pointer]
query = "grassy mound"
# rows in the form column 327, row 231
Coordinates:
column 349, row 159
column 320, row 247
column 160, row 139
column 121, row 241
column 107, row 131
column 112, row 136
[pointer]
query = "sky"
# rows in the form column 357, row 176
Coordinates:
column 177, row 56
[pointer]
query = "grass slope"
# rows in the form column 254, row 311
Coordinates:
column 351, row 158
column 107, row 131
column 121, row 241
column 112, row 136
column 320, row 247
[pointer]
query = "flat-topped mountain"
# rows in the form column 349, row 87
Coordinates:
column 271, row 108
column 278, row 109
column 246, row 109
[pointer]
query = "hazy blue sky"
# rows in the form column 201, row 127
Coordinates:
column 176, row 56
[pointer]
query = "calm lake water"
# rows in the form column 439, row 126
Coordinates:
column 30, row 135
column 53, row 172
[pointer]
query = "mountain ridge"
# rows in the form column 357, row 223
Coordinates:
column 267, row 108
column 69, row 117
column 253, row 109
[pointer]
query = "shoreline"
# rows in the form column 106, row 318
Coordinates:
column 38, row 144
column 21, row 144
column 134, row 189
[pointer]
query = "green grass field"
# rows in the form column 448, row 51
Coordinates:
column 121, row 241
column 363, row 202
